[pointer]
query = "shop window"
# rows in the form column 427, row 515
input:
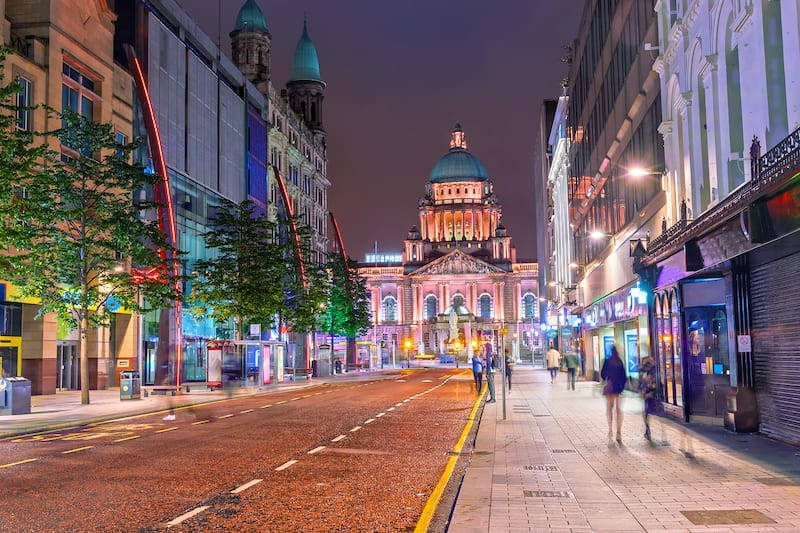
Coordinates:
column 10, row 319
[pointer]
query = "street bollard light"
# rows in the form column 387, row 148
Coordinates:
column 408, row 345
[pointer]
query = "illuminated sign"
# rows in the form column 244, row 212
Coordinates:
column 383, row 258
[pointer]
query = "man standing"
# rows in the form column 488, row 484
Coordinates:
column 489, row 374
column 572, row 369
column 553, row 361
column 509, row 367
column 477, row 372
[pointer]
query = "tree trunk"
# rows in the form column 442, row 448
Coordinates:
column 84, row 354
column 352, row 356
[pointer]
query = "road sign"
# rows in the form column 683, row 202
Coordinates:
column 504, row 331
column 743, row 341
column 255, row 330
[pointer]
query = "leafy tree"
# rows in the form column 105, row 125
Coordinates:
column 306, row 296
column 72, row 230
column 347, row 312
column 244, row 279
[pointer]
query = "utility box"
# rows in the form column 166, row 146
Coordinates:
column 15, row 396
column 130, row 385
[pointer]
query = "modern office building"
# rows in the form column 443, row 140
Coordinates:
column 61, row 65
column 614, row 180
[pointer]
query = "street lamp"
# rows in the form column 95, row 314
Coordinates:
column 408, row 344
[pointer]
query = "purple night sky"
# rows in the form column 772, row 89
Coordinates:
column 399, row 75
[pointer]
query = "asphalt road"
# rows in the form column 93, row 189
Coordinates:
column 357, row 456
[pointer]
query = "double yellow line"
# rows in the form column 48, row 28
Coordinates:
column 433, row 500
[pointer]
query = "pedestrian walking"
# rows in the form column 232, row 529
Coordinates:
column 509, row 368
column 490, row 375
column 572, row 369
column 477, row 372
column 614, row 374
column 648, row 389
column 553, row 362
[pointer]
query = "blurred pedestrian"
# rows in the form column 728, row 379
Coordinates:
column 648, row 389
column 490, row 375
column 509, row 368
column 572, row 369
column 614, row 374
column 477, row 372
column 553, row 362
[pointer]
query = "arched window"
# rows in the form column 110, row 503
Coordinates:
column 485, row 306
column 458, row 300
column 431, row 306
column 528, row 306
column 390, row 309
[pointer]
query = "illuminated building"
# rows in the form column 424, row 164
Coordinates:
column 459, row 261
column 59, row 64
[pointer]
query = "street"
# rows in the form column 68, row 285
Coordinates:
column 359, row 456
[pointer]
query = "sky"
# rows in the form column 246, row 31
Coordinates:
column 399, row 75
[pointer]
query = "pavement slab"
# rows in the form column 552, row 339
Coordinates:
column 549, row 467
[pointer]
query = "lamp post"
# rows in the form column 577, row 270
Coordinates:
column 503, row 333
column 408, row 344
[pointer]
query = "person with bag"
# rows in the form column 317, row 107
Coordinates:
column 489, row 375
column 648, row 389
column 572, row 368
column 614, row 375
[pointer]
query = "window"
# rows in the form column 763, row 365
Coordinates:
column 77, row 95
column 431, row 306
column 390, row 309
column 485, row 306
column 24, row 99
column 11, row 319
column 529, row 306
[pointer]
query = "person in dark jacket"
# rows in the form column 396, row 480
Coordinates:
column 648, row 389
column 509, row 368
column 477, row 372
column 614, row 374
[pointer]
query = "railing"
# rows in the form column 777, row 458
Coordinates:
column 21, row 45
column 766, row 171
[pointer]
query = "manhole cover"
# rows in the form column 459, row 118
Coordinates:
column 547, row 494
column 732, row 516
column 562, row 451
column 545, row 468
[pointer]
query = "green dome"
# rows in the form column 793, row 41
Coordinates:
column 250, row 18
column 306, row 63
column 458, row 164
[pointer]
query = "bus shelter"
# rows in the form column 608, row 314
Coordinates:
column 247, row 363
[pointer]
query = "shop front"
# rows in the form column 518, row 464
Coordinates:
column 619, row 319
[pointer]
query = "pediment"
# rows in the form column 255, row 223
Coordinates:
column 457, row 262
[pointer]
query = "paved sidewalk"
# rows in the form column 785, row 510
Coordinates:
column 549, row 467
column 64, row 409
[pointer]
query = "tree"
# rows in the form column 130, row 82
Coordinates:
column 73, row 232
column 308, row 287
column 244, row 279
column 347, row 312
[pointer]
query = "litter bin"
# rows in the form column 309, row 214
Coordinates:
column 337, row 366
column 16, row 394
column 130, row 385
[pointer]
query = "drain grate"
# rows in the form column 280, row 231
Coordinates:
column 727, row 517
column 547, row 494
column 544, row 468
column 562, row 451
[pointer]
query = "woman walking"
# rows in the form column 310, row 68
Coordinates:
column 614, row 374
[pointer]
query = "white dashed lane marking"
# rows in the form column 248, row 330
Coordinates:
column 340, row 437
column 355, row 429
column 369, row 421
column 246, row 411
column 315, row 450
column 226, row 416
column 186, row 516
column 246, row 486
column 379, row 415
column 286, row 465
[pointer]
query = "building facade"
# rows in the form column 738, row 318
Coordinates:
column 59, row 64
column 460, row 284
column 614, row 174
column 297, row 138
column 723, row 266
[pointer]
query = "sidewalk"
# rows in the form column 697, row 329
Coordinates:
column 64, row 409
column 549, row 467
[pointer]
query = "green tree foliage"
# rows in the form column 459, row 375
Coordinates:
column 244, row 278
column 347, row 312
column 72, row 229
column 306, row 298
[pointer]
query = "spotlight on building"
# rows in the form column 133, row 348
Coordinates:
column 596, row 235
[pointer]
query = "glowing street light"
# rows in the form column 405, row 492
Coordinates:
column 596, row 235
column 573, row 265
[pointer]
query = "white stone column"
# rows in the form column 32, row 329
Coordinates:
column 685, row 184
column 665, row 129
column 468, row 338
column 710, row 85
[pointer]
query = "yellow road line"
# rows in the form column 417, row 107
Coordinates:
column 173, row 428
column 127, row 438
column 200, row 422
column 433, row 500
column 265, row 406
column 279, row 403
column 19, row 462
column 77, row 449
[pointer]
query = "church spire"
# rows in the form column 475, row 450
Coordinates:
column 457, row 138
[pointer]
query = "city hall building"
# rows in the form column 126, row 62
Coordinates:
column 459, row 283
